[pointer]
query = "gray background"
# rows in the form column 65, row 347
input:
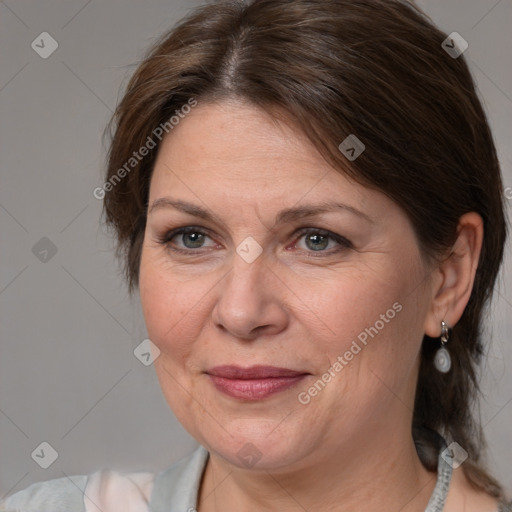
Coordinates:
column 68, row 373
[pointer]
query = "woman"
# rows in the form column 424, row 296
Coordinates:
column 307, row 195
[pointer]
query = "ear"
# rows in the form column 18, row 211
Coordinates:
column 453, row 278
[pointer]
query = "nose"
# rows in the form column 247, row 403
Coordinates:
column 250, row 301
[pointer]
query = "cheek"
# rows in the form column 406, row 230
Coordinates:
column 175, row 305
column 351, row 304
column 164, row 301
column 372, row 319
column 170, row 307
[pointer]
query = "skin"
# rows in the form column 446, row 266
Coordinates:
column 297, row 308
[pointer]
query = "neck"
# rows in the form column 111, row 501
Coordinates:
column 381, row 472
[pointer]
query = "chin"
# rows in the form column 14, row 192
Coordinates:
column 256, row 445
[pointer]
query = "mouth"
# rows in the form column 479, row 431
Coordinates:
column 255, row 382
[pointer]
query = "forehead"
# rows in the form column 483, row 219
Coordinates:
column 235, row 130
column 234, row 147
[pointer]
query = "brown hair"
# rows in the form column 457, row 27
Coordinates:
column 373, row 68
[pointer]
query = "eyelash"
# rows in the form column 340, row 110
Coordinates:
column 340, row 240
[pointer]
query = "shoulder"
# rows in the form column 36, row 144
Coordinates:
column 463, row 496
column 175, row 488
column 53, row 495
column 104, row 490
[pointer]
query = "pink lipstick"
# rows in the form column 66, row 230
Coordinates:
column 255, row 382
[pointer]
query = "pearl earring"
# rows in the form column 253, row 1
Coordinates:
column 442, row 359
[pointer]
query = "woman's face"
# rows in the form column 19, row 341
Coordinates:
column 285, row 263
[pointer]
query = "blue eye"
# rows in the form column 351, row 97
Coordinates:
column 193, row 239
column 184, row 239
column 317, row 240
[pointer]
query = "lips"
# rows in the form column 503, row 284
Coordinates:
column 253, row 372
column 255, row 382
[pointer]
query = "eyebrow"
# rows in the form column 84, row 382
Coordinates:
column 284, row 216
